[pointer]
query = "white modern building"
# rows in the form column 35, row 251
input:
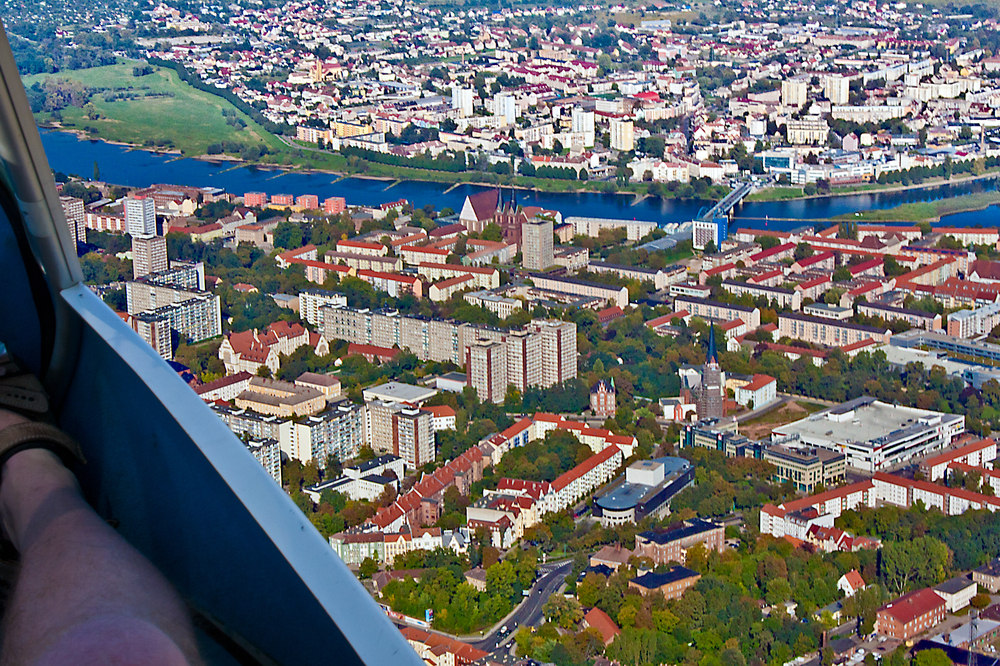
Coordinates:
column 140, row 216
column 875, row 436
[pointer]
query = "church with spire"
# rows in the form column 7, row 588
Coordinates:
column 712, row 392
column 704, row 387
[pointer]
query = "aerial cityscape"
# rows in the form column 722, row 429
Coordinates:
column 646, row 333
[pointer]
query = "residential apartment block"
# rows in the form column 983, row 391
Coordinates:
column 829, row 332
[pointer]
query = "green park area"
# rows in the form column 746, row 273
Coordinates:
column 141, row 104
column 930, row 211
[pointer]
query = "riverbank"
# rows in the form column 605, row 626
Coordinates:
column 137, row 168
column 795, row 193
column 927, row 211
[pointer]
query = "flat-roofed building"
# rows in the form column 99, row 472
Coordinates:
column 645, row 489
column 806, row 467
column 783, row 298
column 875, row 435
column 970, row 323
column 312, row 300
column 409, row 394
column 609, row 293
column 829, row 332
column 717, row 311
column 915, row 318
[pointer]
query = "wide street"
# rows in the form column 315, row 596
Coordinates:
column 530, row 611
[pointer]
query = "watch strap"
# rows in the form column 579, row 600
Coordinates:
column 35, row 435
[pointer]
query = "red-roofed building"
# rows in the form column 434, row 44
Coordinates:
column 248, row 351
column 598, row 619
column 974, row 453
column 440, row 650
column 608, row 315
column 851, row 583
column 910, row 614
column 372, row 353
column 759, row 391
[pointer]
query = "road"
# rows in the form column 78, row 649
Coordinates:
column 530, row 611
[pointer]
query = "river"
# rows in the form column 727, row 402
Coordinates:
column 119, row 164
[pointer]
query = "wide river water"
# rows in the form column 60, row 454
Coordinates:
column 119, row 164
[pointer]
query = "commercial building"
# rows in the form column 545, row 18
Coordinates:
column 672, row 544
column 806, row 467
column 408, row 394
column 712, row 231
column 140, row 216
column 149, row 255
column 645, row 489
column 875, row 435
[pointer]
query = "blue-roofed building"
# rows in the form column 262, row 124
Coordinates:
column 646, row 488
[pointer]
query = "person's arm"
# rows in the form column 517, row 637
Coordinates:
column 83, row 595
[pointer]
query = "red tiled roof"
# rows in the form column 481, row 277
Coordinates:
column 909, row 607
column 961, row 452
column 758, row 382
column 222, row 382
column 601, row 621
column 590, row 463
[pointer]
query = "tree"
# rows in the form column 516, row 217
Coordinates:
column 368, row 568
column 933, row 657
column 920, row 562
column 562, row 610
column 711, row 248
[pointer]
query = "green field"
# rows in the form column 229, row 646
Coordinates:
column 930, row 211
column 776, row 194
column 162, row 110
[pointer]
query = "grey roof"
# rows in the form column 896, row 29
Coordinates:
column 954, row 585
column 653, row 580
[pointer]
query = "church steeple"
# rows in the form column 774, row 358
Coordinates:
column 713, row 355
